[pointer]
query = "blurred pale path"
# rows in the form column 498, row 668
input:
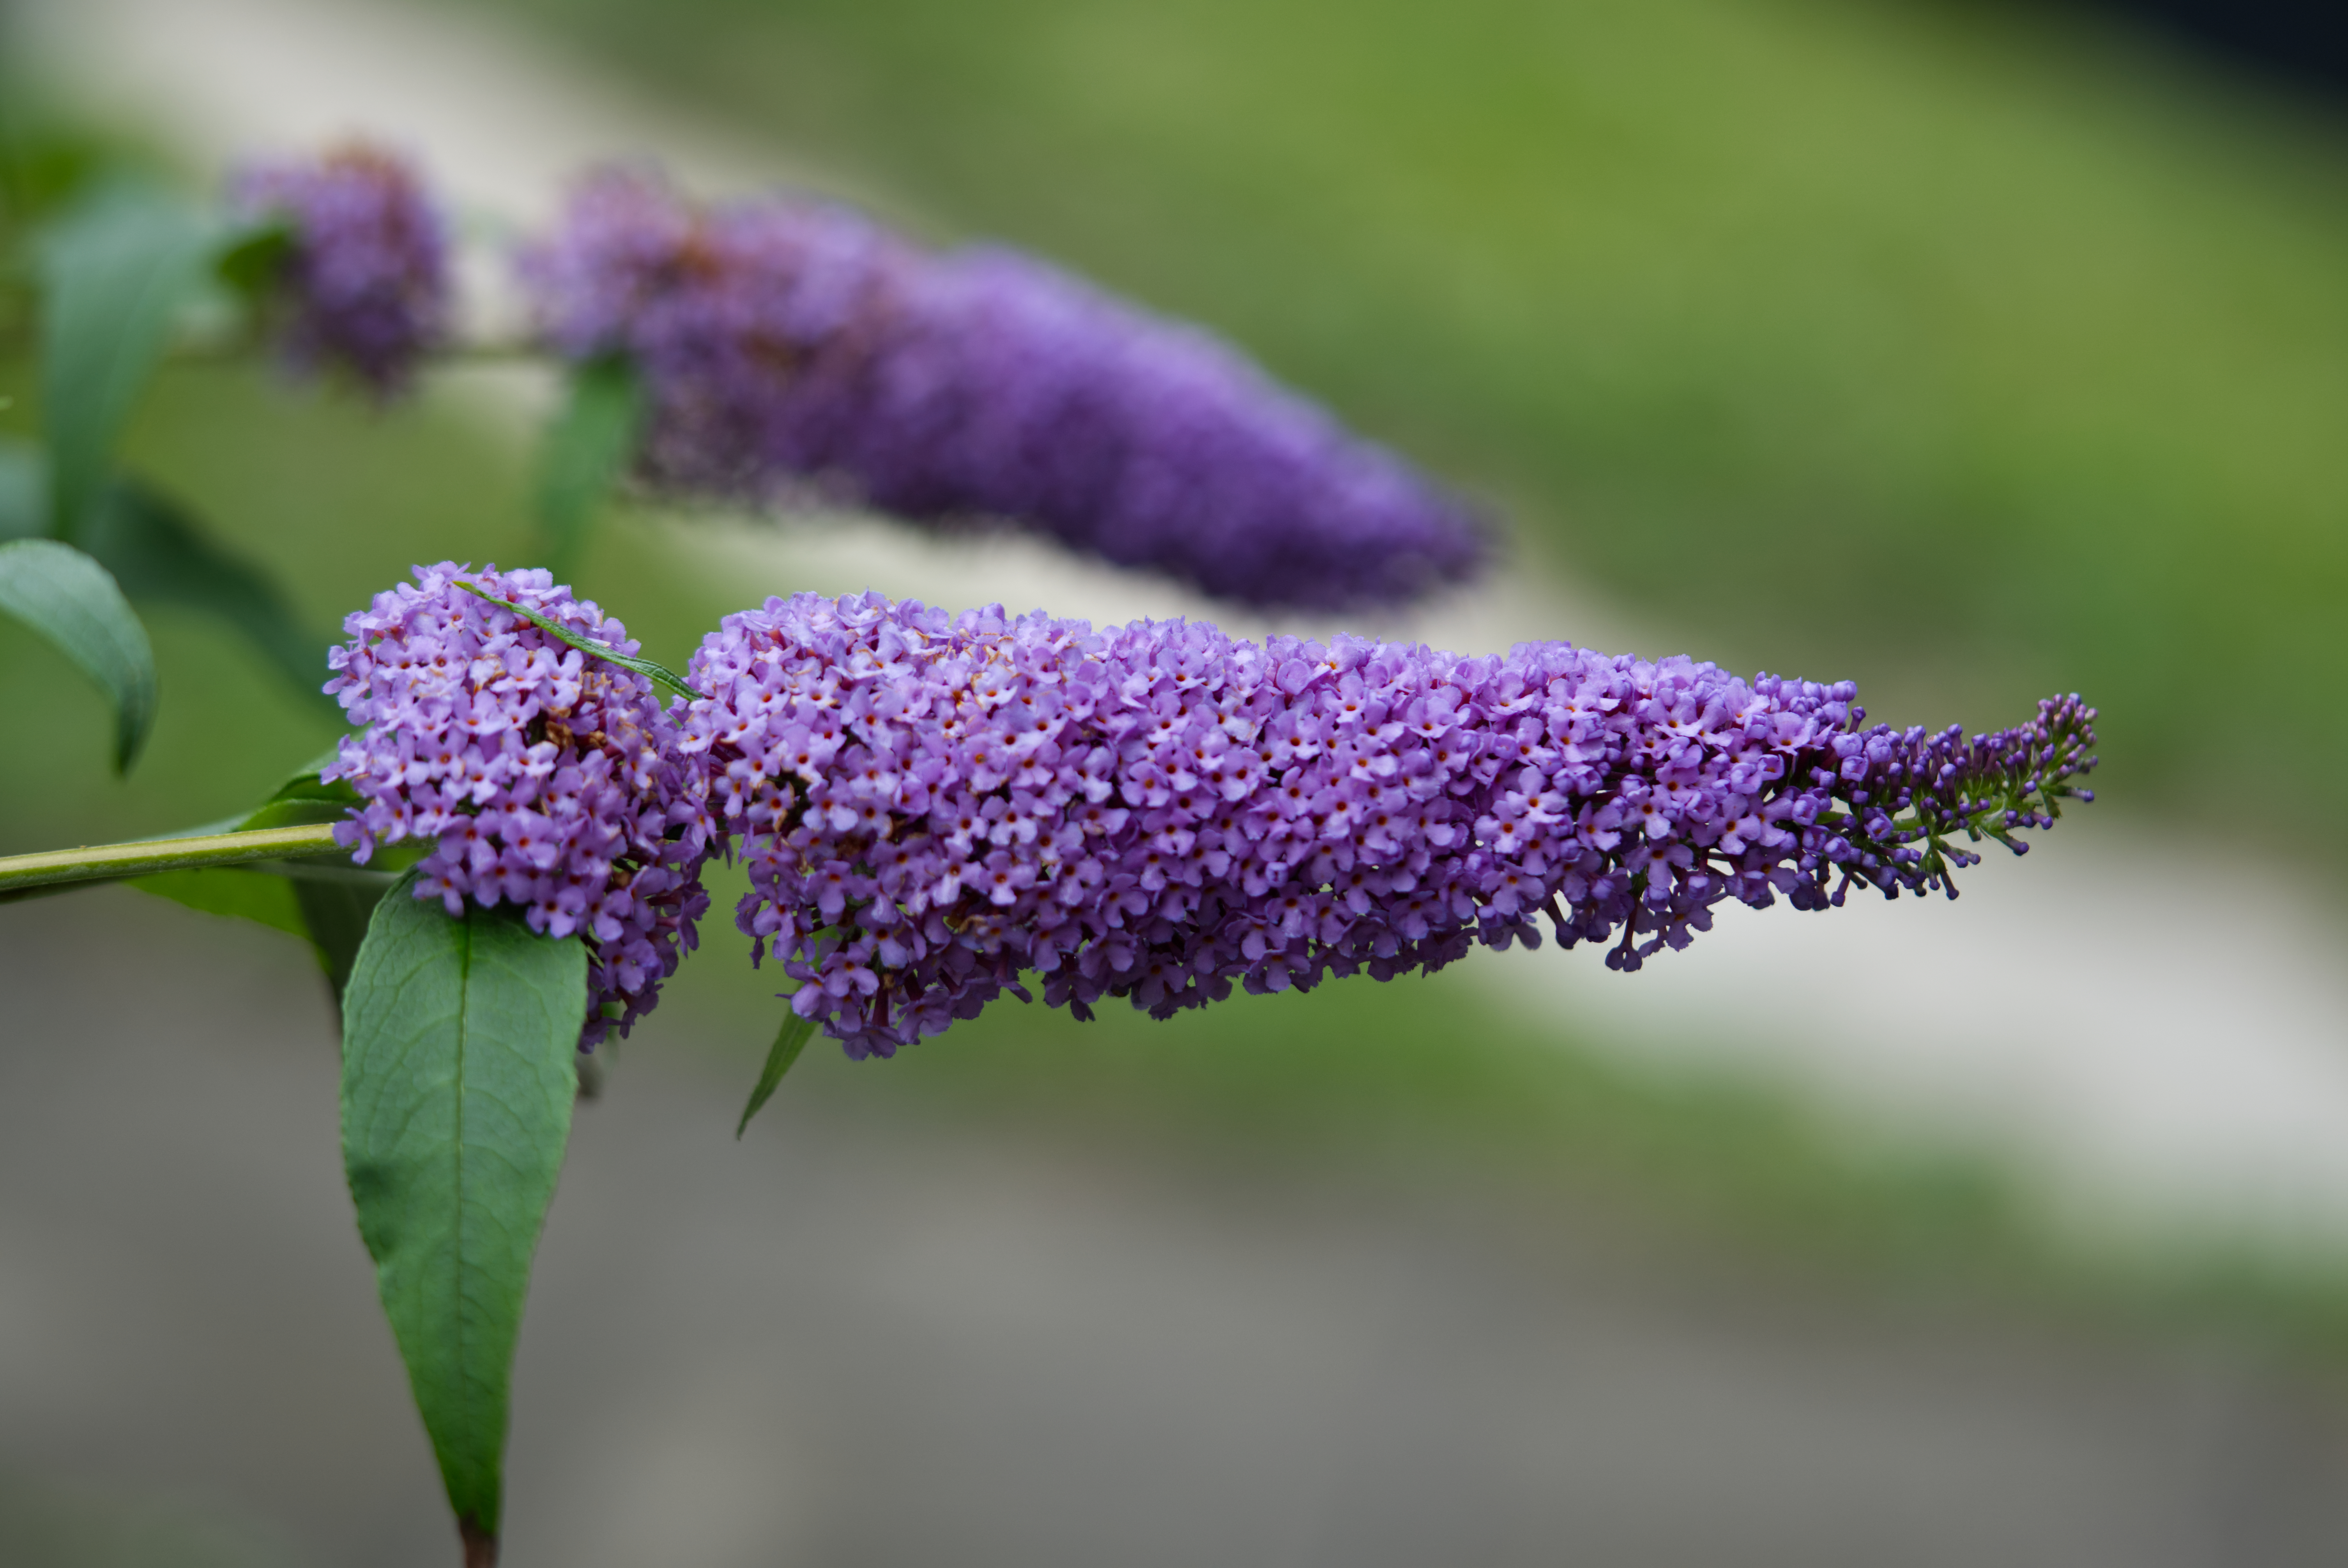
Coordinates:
column 2155, row 1064
column 2165, row 1069
column 867, row 1336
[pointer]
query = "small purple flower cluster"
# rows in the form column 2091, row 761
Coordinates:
column 548, row 780
column 785, row 342
column 364, row 286
column 931, row 805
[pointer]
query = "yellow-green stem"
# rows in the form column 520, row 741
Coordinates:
column 114, row 862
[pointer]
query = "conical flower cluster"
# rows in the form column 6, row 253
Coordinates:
column 787, row 343
column 545, row 779
column 363, row 285
column 932, row 806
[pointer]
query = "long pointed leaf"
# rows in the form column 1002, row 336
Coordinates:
column 587, row 448
column 588, row 645
column 112, row 274
column 789, row 1040
column 459, row 1039
column 68, row 599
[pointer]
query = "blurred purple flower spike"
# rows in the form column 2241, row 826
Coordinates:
column 363, row 287
column 932, row 804
column 788, row 342
column 548, row 779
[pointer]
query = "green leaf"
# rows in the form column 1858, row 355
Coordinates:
column 113, row 273
column 158, row 553
column 587, row 448
column 789, row 1040
column 231, row 890
column 327, row 907
column 303, row 798
column 459, row 1040
column 68, row 599
column 588, row 645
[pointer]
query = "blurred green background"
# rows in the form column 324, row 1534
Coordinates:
column 1974, row 352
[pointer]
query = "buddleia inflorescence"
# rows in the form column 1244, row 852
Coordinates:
column 545, row 778
column 932, row 806
column 785, row 343
column 362, row 286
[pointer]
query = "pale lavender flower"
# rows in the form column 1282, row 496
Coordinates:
column 931, row 805
column 786, row 343
column 364, row 286
column 546, row 779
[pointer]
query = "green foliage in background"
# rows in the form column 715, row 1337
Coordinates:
column 583, row 455
column 1967, row 351
column 114, row 271
column 338, row 499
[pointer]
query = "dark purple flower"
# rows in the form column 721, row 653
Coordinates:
column 547, row 779
column 790, row 343
column 931, row 805
column 364, row 286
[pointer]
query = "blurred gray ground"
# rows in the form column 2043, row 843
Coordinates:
column 867, row 1336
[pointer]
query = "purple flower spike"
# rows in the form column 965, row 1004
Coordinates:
column 788, row 342
column 931, row 805
column 548, row 778
column 365, row 284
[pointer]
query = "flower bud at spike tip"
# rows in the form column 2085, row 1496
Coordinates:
column 791, row 344
column 547, row 779
column 363, row 285
column 931, row 805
